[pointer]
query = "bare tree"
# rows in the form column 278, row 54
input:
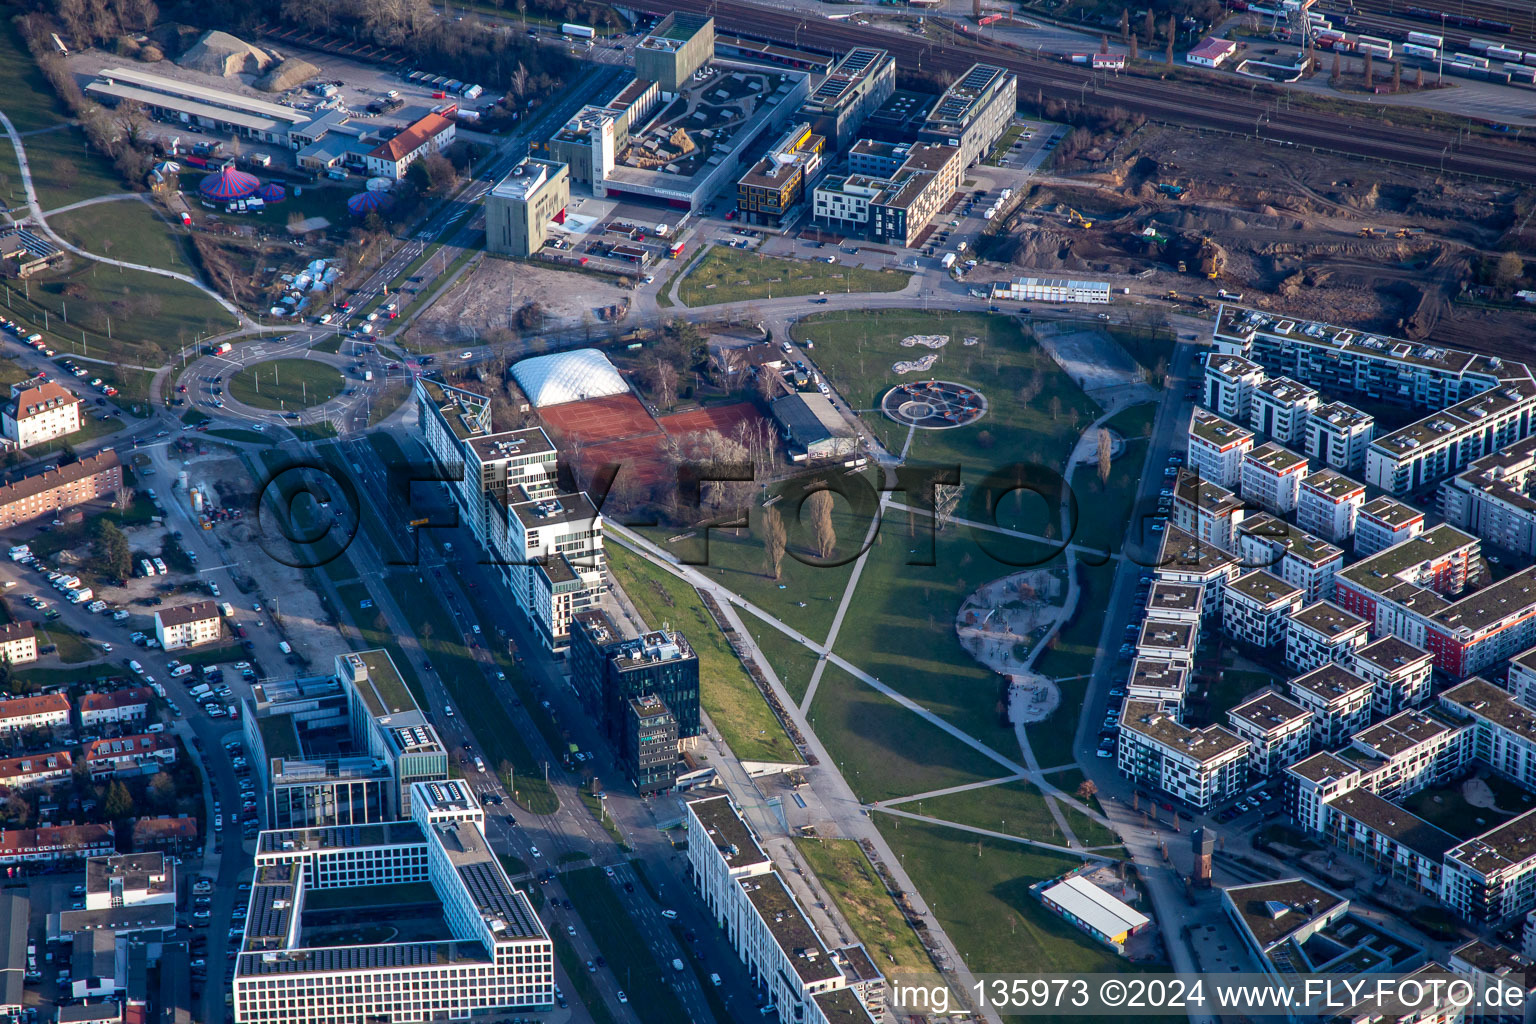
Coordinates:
column 946, row 498
column 1106, row 446
column 774, row 541
column 1055, row 406
column 820, row 503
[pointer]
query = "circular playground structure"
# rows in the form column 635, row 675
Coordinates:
column 934, row 404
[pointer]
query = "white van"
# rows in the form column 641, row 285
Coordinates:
column 138, row 669
column 284, row 646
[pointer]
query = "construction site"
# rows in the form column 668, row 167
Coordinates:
column 1202, row 218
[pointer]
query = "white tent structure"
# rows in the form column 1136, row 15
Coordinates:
column 573, row 376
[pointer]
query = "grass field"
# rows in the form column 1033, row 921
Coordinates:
column 980, row 891
column 732, row 275
column 1447, row 808
column 866, row 903
column 1104, row 508
column 127, row 230
column 727, row 694
column 65, row 170
column 1012, row 808
column 1070, row 654
column 635, row 967
column 286, row 384
column 73, row 648
column 29, row 101
column 884, row 750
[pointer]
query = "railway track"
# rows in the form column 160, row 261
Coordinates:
column 1387, row 14
column 1183, row 106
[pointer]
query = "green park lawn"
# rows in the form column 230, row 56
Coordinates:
column 1068, row 655
column 1013, row 808
column 733, row 275
column 286, row 384
column 866, row 903
column 30, row 102
column 126, row 229
column 1104, row 507
column 728, row 695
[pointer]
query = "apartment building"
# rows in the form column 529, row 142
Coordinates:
column 1337, row 436
column 1270, row 477
column 430, row 134
column 1256, row 607
column 1492, row 878
column 1504, row 730
column 18, row 642
column 1206, row 510
column 144, row 754
column 1493, row 969
column 1398, row 587
column 1184, row 559
column 1410, row 751
column 35, row 771
column 1383, row 522
column 973, row 112
column 858, row 84
column 53, row 490
column 1280, row 408
column 38, row 413
column 1328, row 505
column 53, row 843
column 1321, row 633
column 1158, row 682
column 188, row 625
column 800, row 978
column 496, row 957
column 1168, row 640
column 43, row 711
column 130, row 704
column 1197, row 766
column 1217, row 448
column 1493, row 498
column 1278, row 731
column 1339, row 699
column 1393, row 841
column 1399, row 674
column 1290, row 553
column 1176, row 602
column 1448, row 441
column 1522, row 677
column 895, row 208
column 1230, row 382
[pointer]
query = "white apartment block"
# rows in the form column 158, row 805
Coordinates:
column 129, row 880
column 1399, row 674
column 1321, row 633
column 1448, row 441
column 1206, row 510
column 1384, row 522
column 1230, row 382
column 1256, row 606
column 1505, row 729
column 1278, row 731
column 1411, row 751
column 44, row 711
column 796, row 972
column 1314, row 781
column 1176, row 602
column 1340, row 702
column 553, row 561
column 38, row 413
column 1522, row 677
column 1338, row 435
column 1280, row 408
column 1217, row 448
column 1391, row 839
column 1184, row 559
column 1159, row 682
column 1170, row 641
column 1198, row 766
column 499, row 959
column 1492, row 878
column 187, row 625
column 18, row 642
column 1271, row 478
column 1493, row 498
column 1328, row 505
column 1290, row 553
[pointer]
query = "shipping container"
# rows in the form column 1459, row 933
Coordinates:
column 1481, row 45
column 1504, row 53
column 577, row 31
column 1426, row 39
column 1374, row 45
column 1474, row 61
column 1416, row 50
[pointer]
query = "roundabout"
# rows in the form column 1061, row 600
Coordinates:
column 283, row 384
column 934, row 404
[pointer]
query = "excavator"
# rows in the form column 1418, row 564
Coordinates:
column 1073, row 217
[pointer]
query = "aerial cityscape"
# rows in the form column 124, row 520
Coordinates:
column 808, row 512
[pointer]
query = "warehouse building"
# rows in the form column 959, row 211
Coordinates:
column 521, row 207
column 1052, row 289
column 812, row 425
column 217, row 109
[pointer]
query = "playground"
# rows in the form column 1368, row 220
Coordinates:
column 999, row 625
column 934, row 404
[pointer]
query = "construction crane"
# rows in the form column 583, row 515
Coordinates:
column 1073, row 217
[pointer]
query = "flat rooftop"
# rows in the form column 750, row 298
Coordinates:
column 1515, row 593
column 1168, row 635
column 1231, row 367
column 1386, row 568
column 526, row 178
column 1286, row 391
column 1472, row 414
column 1296, row 542
column 1264, row 588
column 1332, row 683
column 1181, row 552
column 842, row 81
column 341, row 837
column 1213, row 742
column 793, row 933
column 1206, row 496
column 1397, row 824
column 562, row 508
column 1333, row 484
column 1392, row 654
column 1157, row 675
column 1175, row 597
column 1500, row 849
column 1405, row 731
column 730, row 833
column 1267, row 710
column 383, row 690
column 1343, row 416
column 1275, row 458
column 466, row 413
column 958, row 105
column 1391, row 513
column 505, row 909
column 1272, row 911
column 1322, row 767
column 1482, row 699
column 1328, row 619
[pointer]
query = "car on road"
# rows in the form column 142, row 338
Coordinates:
column 622, row 997
column 535, row 851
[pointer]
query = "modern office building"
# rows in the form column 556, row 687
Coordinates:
column 488, row 953
column 1383, row 522
column 858, row 84
column 520, row 208
column 1493, row 498
column 674, row 50
column 552, row 558
column 1278, row 731
column 772, row 187
column 1271, row 477
column 1321, row 633
column 1217, row 448
column 609, row 671
column 894, row 208
column 974, row 112
column 1328, row 505
column 648, row 750
column 800, row 978
column 1280, row 408
column 1198, row 766
column 1256, row 607
column 1337, row 436
column 37, row 413
column 389, row 725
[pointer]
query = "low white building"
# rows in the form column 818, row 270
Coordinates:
column 1320, row 633
column 1256, row 606
column 129, row 880
column 1328, row 505
column 1052, row 289
column 1217, row 448
column 1198, row 766
column 126, row 705
column 18, row 642
column 1271, row 477
column 188, row 625
column 1278, row 731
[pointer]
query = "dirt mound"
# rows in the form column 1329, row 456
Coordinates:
column 290, row 74
column 219, row 53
